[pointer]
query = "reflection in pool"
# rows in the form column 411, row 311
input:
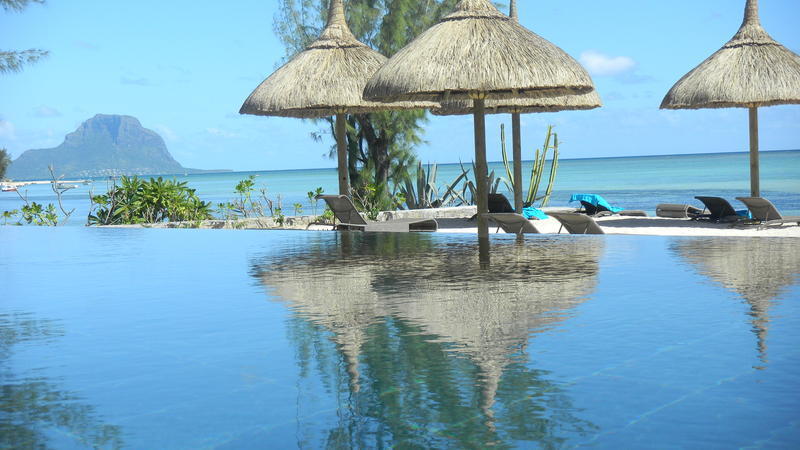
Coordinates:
column 29, row 402
column 231, row 339
column 427, row 305
column 758, row 270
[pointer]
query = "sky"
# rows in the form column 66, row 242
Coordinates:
column 184, row 67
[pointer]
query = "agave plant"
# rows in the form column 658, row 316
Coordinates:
column 425, row 194
column 538, row 169
column 493, row 182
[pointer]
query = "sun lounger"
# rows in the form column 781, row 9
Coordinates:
column 577, row 223
column 350, row 219
column 498, row 203
column 513, row 223
column 677, row 211
column 719, row 210
column 595, row 205
column 765, row 212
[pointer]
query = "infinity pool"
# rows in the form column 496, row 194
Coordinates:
column 117, row 338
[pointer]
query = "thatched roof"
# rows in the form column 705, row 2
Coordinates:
column 751, row 70
column 590, row 100
column 477, row 50
column 524, row 106
column 326, row 78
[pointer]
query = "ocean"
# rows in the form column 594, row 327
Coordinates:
column 631, row 182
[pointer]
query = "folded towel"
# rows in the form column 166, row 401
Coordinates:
column 532, row 213
column 596, row 200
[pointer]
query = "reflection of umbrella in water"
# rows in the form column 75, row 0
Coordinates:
column 477, row 53
column 344, row 303
column 492, row 315
column 515, row 107
column 759, row 270
column 325, row 79
column 486, row 314
column 749, row 71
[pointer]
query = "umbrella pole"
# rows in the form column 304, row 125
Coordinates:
column 755, row 176
column 341, row 154
column 517, row 138
column 480, row 167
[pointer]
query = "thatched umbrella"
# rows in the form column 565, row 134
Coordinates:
column 325, row 79
column 477, row 53
column 751, row 70
column 515, row 107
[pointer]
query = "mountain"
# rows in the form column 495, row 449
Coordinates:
column 104, row 145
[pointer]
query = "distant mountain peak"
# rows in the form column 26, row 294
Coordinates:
column 104, row 145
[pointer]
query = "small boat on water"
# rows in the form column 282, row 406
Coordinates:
column 8, row 188
column 66, row 186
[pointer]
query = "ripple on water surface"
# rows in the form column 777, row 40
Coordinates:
column 186, row 339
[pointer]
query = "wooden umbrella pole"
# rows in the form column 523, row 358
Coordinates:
column 341, row 154
column 481, row 176
column 755, row 189
column 517, row 138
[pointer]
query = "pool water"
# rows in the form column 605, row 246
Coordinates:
column 139, row 338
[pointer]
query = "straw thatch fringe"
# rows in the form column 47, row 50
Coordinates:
column 586, row 101
column 477, row 49
column 751, row 70
column 325, row 79
column 583, row 102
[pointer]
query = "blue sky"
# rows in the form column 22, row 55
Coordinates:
column 183, row 68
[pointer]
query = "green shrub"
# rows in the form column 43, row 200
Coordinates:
column 135, row 201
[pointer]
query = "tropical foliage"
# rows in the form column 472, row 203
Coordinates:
column 14, row 61
column 135, row 201
column 5, row 161
column 380, row 145
column 537, row 171
column 32, row 213
column 425, row 192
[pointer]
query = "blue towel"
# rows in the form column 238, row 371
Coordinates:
column 532, row 213
column 595, row 200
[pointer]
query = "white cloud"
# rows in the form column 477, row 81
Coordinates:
column 7, row 130
column 221, row 133
column 46, row 111
column 600, row 64
column 135, row 81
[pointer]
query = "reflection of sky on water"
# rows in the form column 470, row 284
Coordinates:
column 166, row 339
column 423, row 299
column 33, row 409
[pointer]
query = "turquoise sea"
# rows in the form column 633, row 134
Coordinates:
column 630, row 182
